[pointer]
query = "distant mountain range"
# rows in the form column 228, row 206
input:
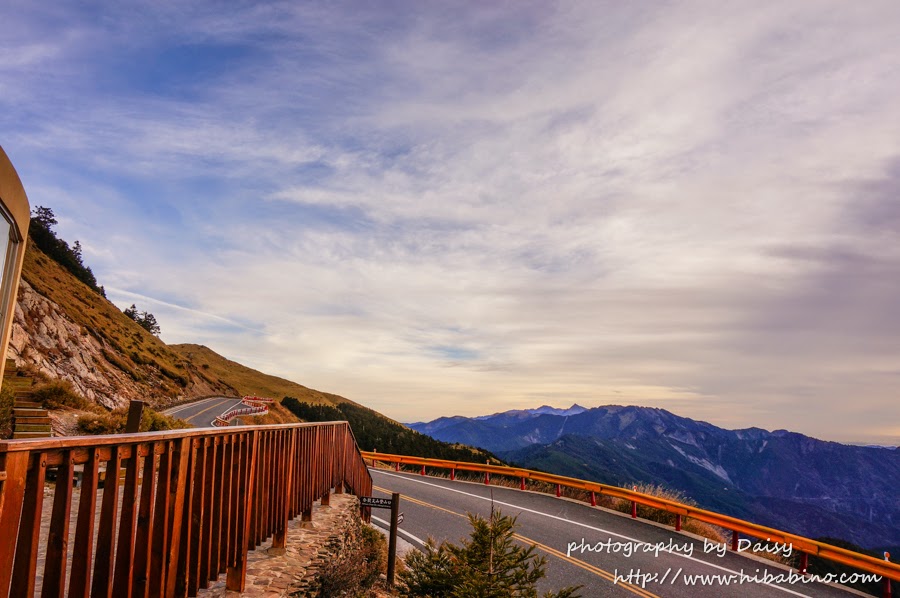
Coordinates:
column 782, row 479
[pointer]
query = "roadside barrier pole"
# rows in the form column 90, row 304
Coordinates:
column 887, row 580
column 392, row 542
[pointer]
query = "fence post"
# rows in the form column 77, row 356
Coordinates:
column 12, row 493
column 135, row 411
column 176, row 508
column 236, row 576
column 279, row 538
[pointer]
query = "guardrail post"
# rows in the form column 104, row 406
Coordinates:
column 423, row 470
column 734, row 541
column 487, row 478
column 397, row 466
column 558, row 491
column 804, row 563
column 633, row 510
column 452, row 475
column 522, row 485
column 678, row 522
column 887, row 580
column 593, row 499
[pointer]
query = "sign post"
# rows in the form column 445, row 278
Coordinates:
column 392, row 503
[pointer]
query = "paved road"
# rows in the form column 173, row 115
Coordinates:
column 436, row 507
column 201, row 413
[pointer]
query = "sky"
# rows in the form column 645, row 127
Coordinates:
column 462, row 208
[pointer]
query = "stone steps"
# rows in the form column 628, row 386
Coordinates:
column 23, row 435
column 19, row 404
column 29, row 418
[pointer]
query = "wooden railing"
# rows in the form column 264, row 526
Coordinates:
column 805, row 546
column 176, row 509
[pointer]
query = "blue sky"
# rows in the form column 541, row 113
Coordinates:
column 440, row 209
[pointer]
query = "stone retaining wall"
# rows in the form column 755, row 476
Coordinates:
column 292, row 571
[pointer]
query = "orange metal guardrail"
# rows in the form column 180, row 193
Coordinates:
column 859, row 561
column 192, row 504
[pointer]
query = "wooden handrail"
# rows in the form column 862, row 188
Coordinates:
column 177, row 508
column 856, row 560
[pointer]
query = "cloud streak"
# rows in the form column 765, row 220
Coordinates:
column 667, row 205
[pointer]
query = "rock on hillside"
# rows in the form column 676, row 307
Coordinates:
column 44, row 338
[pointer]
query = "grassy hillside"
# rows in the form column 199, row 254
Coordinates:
column 126, row 346
column 163, row 374
column 248, row 381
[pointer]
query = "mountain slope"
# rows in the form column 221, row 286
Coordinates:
column 63, row 329
column 777, row 478
column 66, row 330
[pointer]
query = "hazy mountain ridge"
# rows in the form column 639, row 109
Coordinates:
column 778, row 478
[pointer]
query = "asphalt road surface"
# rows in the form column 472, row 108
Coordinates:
column 202, row 413
column 609, row 554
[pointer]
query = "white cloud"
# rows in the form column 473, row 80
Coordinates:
column 433, row 215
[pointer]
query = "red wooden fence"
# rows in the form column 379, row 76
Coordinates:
column 188, row 507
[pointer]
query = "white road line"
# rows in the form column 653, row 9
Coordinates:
column 181, row 408
column 387, row 526
column 597, row 529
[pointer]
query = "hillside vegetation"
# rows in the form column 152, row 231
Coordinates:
column 247, row 381
column 374, row 431
column 65, row 327
column 67, row 330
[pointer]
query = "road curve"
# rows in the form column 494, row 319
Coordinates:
column 202, row 413
column 601, row 550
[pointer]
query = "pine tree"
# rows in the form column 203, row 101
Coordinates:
column 491, row 564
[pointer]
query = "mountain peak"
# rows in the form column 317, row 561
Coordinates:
column 575, row 409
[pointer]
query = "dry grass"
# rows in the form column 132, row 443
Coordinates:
column 114, row 421
column 276, row 415
column 693, row 526
column 248, row 381
column 136, row 352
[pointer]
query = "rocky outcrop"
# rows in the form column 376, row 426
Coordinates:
column 49, row 342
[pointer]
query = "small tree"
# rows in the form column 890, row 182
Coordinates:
column 144, row 319
column 491, row 564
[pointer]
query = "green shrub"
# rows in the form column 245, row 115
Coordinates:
column 491, row 564
column 357, row 567
column 114, row 422
column 7, row 398
column 60, row 393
